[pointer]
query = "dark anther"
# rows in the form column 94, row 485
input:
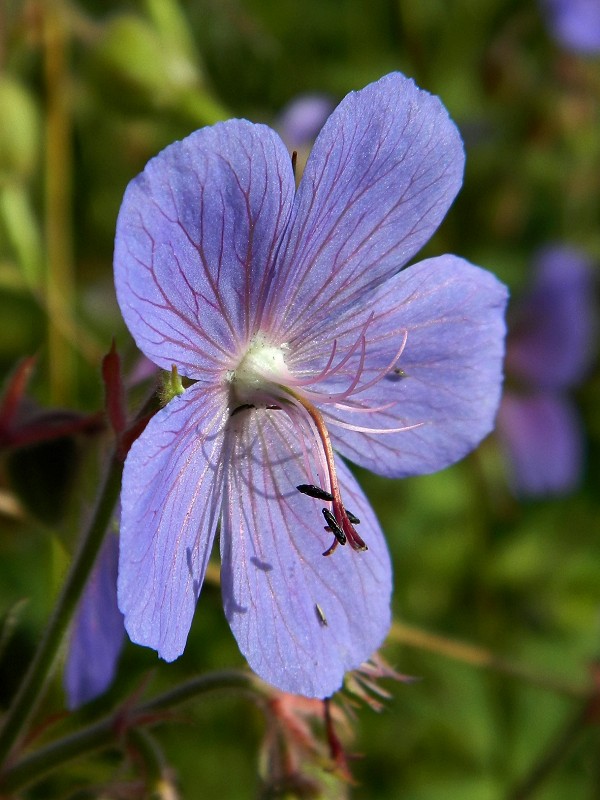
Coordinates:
column 354, row 520
column 314, row 491
column 333, row 526
column 294, row 160
column 321, row 494
column 244, row 407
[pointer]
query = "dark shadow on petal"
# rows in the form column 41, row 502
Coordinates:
column 195, row 582
column 262, row 565
column 231, row 607
column 395, row 376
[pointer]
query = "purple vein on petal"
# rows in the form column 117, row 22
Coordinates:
column 171, row 501
column 274, row 574
column 196, row 245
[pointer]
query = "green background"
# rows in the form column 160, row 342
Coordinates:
column 88, row 92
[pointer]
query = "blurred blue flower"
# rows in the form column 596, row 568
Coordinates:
column 575, row 24
column 291, row 313
column 98, row 632
column 302, row 118
column 549, row 348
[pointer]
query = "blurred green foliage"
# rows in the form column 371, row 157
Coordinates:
column 89, row 90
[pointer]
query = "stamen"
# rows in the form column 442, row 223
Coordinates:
column 330, row 550
column 328, row 371
column 294, row 162
column 333, row 526
column 339, row 517
column 362, row 408
column 321, row 494
column 354, row 388
column 314, row 491
column 365, row 429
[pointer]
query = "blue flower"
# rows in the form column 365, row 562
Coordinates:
column 575, row 24
column 303, row 338
column 98, row 634
column 301, row 120
column 549, row 349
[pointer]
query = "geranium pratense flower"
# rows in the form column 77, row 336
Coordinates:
column 289, row 311
column 575, row 24
column 549, row 349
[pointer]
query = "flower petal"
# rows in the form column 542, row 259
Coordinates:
column 196, row 240
column 170, row 503
column 543, row 439
column 451, row 315
column 382, row 175
column 301, row 619
column 552, row 334
column 98, row 633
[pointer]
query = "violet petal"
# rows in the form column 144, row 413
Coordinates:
column 196, row 241
column 551, row 337
column 98, row 633
column 445, row 387
column 381, row 176
column 543, row 440
column 300, row 618
column 171, row 500
column 575, row 24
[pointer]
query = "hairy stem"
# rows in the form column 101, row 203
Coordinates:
column 481, row 657
column 552, row 757
column 108, row 731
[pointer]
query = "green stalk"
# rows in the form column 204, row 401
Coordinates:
column 482, row 658
column 105, row 733
column 60, row 288
column 553, row 756
column 44, row 660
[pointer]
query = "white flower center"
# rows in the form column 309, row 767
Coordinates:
column 262, row 366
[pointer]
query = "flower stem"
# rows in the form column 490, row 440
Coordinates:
column 44, row 660
column 483, row 658
column 60, row 292
column 105, row 733
column 552, row 757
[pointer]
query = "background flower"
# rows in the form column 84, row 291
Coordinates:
column 98, row 633
column 549, row 349
column 575, row 24
column 301, row 120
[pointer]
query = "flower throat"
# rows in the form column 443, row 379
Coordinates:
column 260, row 380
